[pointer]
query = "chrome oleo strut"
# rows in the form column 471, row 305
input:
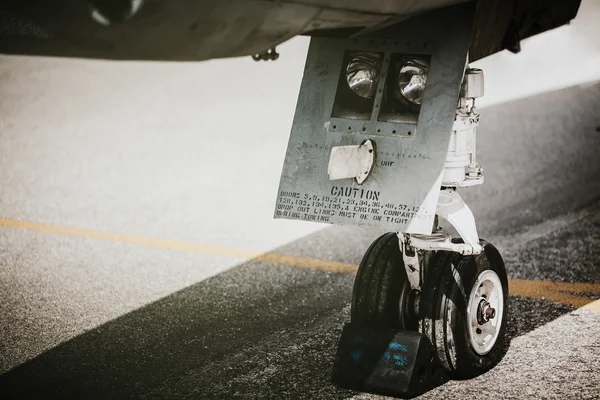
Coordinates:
column 460, row 170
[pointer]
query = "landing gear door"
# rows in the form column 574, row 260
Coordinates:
column 373, row 122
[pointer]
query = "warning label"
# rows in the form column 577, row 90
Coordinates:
column 345, row 203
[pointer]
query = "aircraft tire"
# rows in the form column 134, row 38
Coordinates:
column 464, row 310
column 382, row 295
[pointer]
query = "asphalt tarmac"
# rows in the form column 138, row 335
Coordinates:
column 133, row 265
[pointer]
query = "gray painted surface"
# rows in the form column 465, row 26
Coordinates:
column 416, row 161
column 185, row 30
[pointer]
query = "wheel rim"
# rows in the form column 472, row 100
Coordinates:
column 485, row 312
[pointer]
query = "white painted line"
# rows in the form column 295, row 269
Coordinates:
column 593, row 306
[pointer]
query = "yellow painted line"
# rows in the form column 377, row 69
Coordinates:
column 559, row 292
column 181, row 246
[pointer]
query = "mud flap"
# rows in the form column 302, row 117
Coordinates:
column 386, row 361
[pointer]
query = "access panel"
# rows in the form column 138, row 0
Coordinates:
column 373, row 123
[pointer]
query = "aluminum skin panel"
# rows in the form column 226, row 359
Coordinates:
column 403, row 187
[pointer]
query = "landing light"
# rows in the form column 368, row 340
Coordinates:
column 362, row 74
column 411, row 81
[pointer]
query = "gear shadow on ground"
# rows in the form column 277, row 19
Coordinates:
column 258, row 330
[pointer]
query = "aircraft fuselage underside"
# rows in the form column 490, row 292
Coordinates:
column 194, row 30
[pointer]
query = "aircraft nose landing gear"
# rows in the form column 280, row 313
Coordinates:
column 445, row 299
column 383, row 136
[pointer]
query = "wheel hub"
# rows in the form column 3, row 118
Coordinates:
column 485, row 312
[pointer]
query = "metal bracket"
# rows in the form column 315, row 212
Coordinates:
column 441, row 241
column 453, row 209
column 410, row 256
column 269, row 54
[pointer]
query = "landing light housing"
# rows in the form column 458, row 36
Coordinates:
column 382, row 88
column 412, row 79
column 362, row 74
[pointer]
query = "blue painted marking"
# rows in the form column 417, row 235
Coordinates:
column 397, row 359
column 356, row 355
column 400, row 360
column 398, row 346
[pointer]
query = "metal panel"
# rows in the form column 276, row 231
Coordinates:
column 402, row 190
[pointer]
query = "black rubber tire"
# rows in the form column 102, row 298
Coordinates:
column 443, row 310
column 382, row 295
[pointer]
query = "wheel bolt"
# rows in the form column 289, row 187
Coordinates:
column 485, row 312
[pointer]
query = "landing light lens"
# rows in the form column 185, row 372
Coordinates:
column 411, row 81
column 362, row 74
